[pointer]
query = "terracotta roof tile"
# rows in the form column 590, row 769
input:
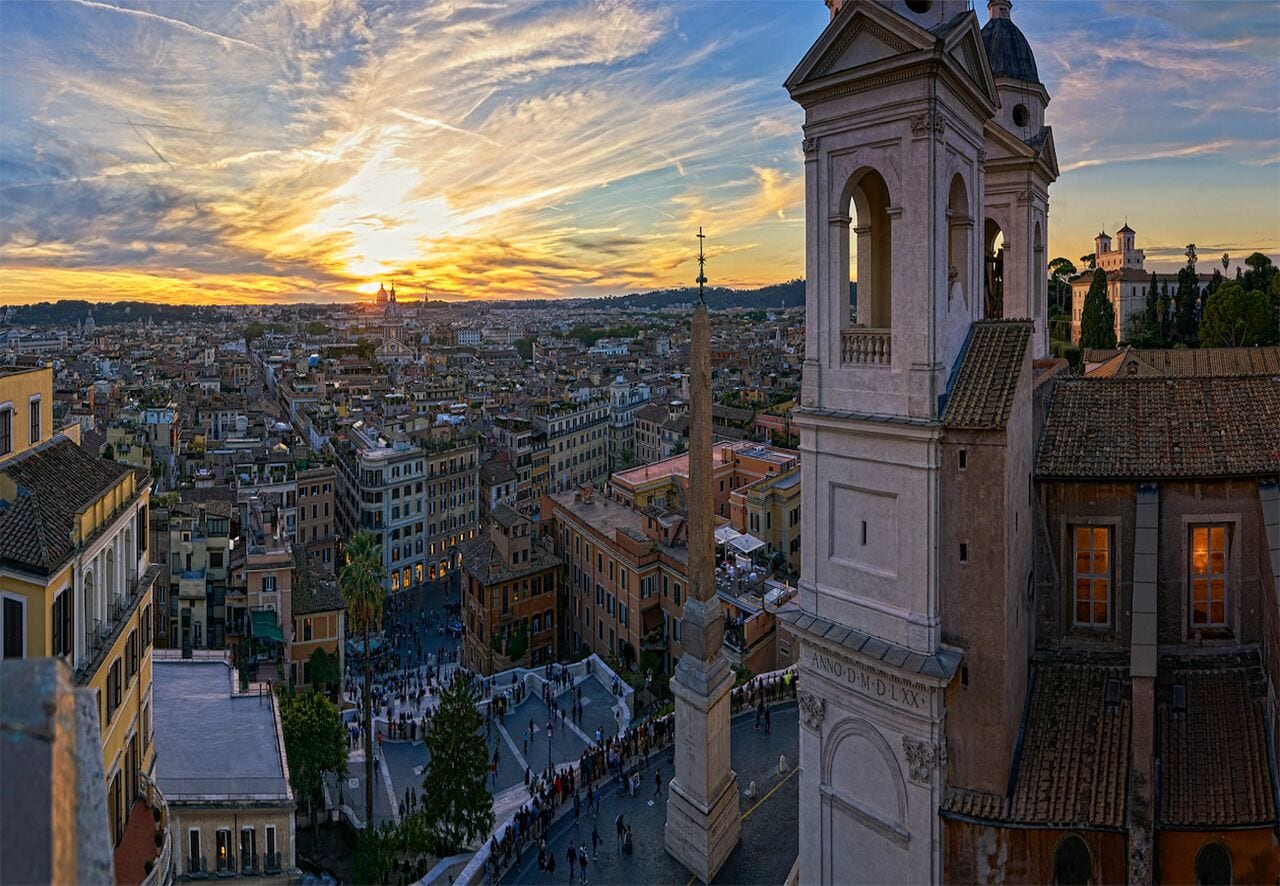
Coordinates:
column 1074, row 765
column 1214, row 767
column 987, row 377
column 1136, row 428
column 54, row 481
column 1188, row 362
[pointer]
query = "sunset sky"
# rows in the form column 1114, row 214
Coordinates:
column 304, row 151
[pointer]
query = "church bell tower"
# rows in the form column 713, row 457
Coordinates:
column 897, row 96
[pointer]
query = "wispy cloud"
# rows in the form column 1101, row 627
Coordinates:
column 309, row 148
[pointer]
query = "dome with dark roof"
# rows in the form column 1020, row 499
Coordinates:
column 1008, row 51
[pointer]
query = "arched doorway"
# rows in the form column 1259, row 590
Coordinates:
column 1072, row 863
column 993, row 276
column 1213, row 865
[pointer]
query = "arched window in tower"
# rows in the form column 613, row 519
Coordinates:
column 869, row 262
column 993, row 272
column 1213, row 865
column 1072, row 863
column 959, row 227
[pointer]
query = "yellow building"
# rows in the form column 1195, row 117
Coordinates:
column 75, row 578
column 769, row 509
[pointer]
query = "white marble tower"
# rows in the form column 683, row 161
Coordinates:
column 896, row 96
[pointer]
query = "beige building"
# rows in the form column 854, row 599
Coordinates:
column 1127, row 281
column 315, row 518
column 222, row 771
column 577, row 441
column 769, row 509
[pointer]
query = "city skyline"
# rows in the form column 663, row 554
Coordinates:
column 308, row 152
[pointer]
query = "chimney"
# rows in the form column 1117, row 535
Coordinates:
column 999, row 8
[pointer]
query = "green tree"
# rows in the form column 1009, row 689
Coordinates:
column 1060, row 271
column 360, row 582
column 315, row 327
column 314, row 743
column 1235, row 318
column 253, row 331
column 109, row 452
column 1098, row 318
column 377, row 851
column 457, row 809
column 1089, row 262
column 323, row 669
column 524, row 347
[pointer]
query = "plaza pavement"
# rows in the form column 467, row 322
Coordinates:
column 769, row 842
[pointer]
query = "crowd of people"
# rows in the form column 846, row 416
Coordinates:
column 626, row 757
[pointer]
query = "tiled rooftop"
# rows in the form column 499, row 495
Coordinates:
column 987, row 377
column 54, row 481
column 1214, row 769
column 1074, row 765
column 1136, row 428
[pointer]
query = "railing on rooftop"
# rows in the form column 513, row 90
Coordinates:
column 218, row 786
column 861, row 344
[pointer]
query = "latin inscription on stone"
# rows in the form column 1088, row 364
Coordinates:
column 866, row 681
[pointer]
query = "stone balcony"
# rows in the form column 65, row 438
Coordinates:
column 866, row 345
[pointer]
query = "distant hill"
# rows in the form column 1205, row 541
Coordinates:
column 70, row 311
column 776, row 295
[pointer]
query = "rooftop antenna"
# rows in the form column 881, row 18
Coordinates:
column 702, row 262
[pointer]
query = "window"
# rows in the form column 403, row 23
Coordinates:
column 34, row 412
column 1213, row 865
column 113, row 690
column 63, row 624
column 306, row 630
column 1093, row 576
column 193, row 850
column 676, row 594
column 268, row 584
column 1207, row 578
column 6, row 431
column 963, row 459
column 215, row 559
column 131, row 657
column 15, row 626
column 964, row 553
column 269, row 860
column 223, row 858
column 146, row 726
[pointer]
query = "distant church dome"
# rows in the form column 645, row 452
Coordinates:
column 1007, row 50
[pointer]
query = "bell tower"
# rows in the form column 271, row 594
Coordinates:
column 1021, row 163
column 897, row 96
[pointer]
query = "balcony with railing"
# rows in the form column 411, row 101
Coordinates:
column 865, row 345
column 101, row 635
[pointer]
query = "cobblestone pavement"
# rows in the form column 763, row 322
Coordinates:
column 769, row 837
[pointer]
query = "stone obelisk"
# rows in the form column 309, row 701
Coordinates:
column 703, row 823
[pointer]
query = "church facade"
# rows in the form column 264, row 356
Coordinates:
column 979, row 585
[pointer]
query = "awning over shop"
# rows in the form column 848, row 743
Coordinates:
column 265, row 627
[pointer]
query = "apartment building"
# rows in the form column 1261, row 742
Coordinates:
column 769, row 509
column 75, row 577
column 625, row 576
column 199, row 551
column 509, row 597
column 420, row 501
column 315, row 522
column 577, row 441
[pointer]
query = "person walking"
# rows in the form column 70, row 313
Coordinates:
column 572, row 856
column 767, row 721
column 618, row 825
column 595, row 843
column 582, row 863
column 657, row 785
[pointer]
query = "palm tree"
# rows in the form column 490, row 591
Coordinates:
column 361, row 584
